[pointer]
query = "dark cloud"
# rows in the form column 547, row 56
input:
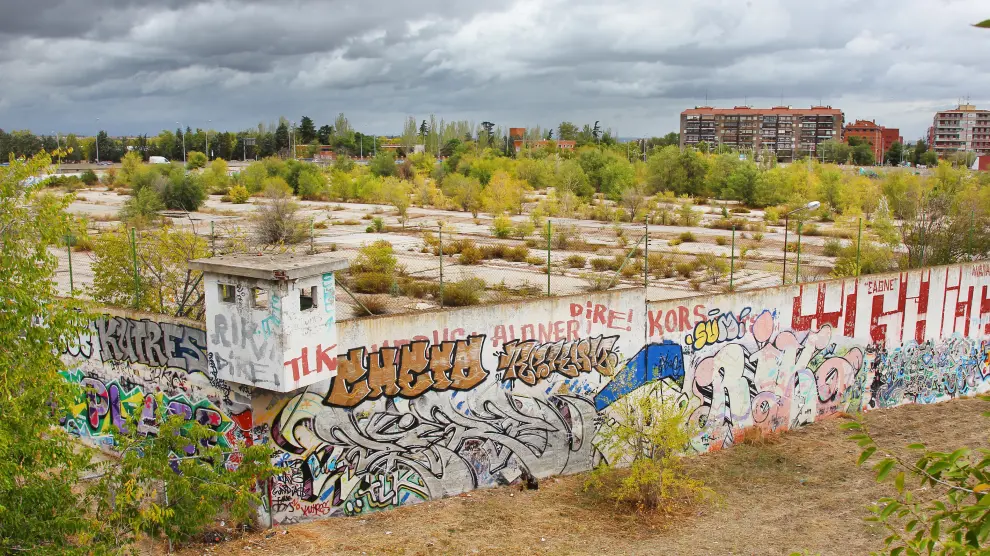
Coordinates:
column 141, row 66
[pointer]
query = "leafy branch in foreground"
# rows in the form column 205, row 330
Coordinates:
column 956, row 521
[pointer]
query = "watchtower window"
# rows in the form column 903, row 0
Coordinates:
column 259, row 298
column 227, row 293
column 307, row 298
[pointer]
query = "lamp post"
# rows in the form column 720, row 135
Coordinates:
column 183, row 142
column 97, row 141
column 810, row 206
column 208, row 124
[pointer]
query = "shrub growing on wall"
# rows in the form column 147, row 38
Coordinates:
column 648, row 433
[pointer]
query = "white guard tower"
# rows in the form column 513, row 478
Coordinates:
column 271, row 319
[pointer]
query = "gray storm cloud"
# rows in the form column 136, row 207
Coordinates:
column 633, row 64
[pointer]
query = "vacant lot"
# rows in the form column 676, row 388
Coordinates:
column 803, row 493
column 585, row 254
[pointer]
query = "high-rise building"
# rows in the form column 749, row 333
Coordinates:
column 781, row 131
column 881, row 138
column 963, row 129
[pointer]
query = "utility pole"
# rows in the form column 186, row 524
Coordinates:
column 208, row 124
column 97, row 140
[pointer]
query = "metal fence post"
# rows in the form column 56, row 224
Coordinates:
column 213, row 240
column 732, row 259
column 969, row 236
column 68, row 244
column 646, row 255
column 440, row 242
column 312, row 235
column 549, row 235
column 797, row 271
column 859, row 244
column 137, row 279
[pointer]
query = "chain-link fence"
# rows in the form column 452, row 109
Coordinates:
column 437, row 259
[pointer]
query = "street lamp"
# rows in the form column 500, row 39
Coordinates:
column 183, row 142
column 97, row 141
column 810, row 206
column 208, row 124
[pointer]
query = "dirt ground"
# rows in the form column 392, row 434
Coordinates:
column 802, row 493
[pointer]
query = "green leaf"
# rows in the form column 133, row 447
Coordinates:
column 865, row 455
column 889, row 510
column 899, row 482
column 985, row 24
column 851, row 426
column 883, row 469
column 916, row 446
column 896, row 551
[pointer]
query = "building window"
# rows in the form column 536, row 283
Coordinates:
column 227, row 293
column 259, row 298
column 307, row 298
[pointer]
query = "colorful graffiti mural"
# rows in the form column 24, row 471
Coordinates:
column 425, row 406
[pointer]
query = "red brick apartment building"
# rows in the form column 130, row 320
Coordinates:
column 788, row 133
column 881, row 138
column 963, row 129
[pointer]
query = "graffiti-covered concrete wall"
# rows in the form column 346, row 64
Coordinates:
column 432, row 404
column 784, row 357
column 149, row 366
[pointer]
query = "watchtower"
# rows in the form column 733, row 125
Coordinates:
column 271, row 319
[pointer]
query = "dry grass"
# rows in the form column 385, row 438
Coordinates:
column 797, row 492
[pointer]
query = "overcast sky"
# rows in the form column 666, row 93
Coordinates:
column 633, row 64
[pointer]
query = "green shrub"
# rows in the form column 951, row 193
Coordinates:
column 502, row 226
column 237, row 194
column 376, row 257
column 519, row 253
column 470, row 253
column 464, row 292
column 195, row 160
column 143, row 206
column 684, row 269
column 715, row 267
column 522, row 230
column 740, row 210
column 722, row 240
column 757, row 236
column 375, row 304
column 89, row 177
column 576, row 261
column 183, row 192
column 372, row 282
column 600, row 264
column 686, row 237
column 660, row 265
column 832, row 247
column 673, row 242
column 810, row 230
column 536, row 261
column 772, row 215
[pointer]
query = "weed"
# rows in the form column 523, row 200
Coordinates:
column 576, row 261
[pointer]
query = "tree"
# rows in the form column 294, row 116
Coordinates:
column 567, row 131
column 894, row 154
column 954, row 519
column 383, row 164
column 40, row 512
column 282, row 136
column 503, row 194
column 571, row 177
column 464, row 191
column 167, row 285
column 307, row 131
column 324, row 134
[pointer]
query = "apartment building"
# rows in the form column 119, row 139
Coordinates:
column 963, row 129
column 880, row 137
column 781, row 131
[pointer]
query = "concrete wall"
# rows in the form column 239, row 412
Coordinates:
column 150, row 365
column 433, row 404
